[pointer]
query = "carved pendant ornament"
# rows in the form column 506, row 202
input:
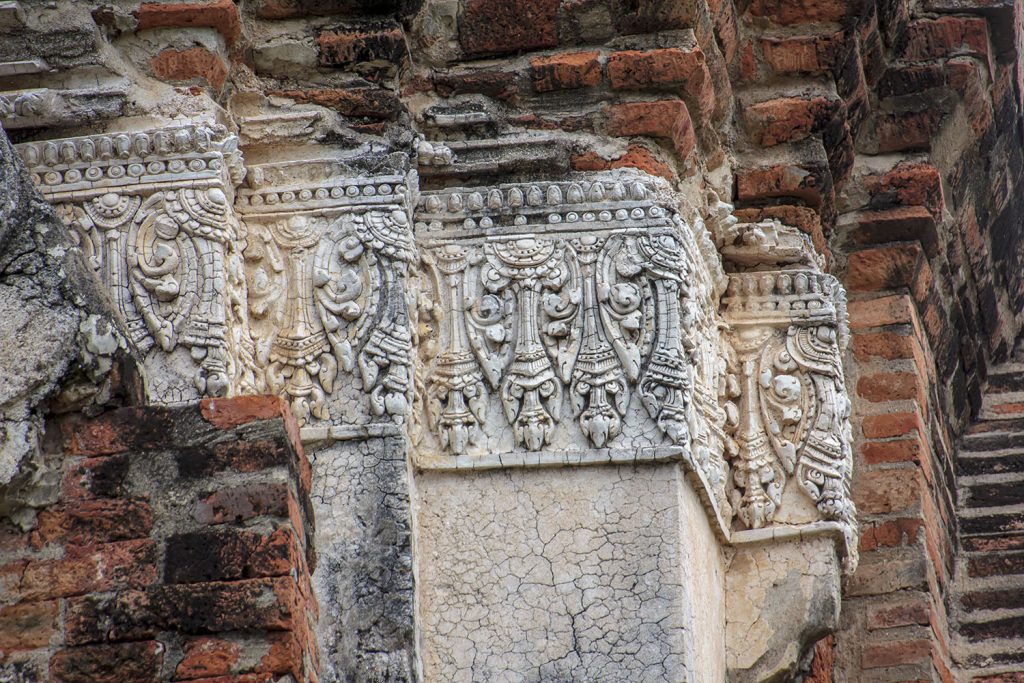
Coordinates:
column 583, row 316
column 789, row 331
column 328, row 272
column 558, row 297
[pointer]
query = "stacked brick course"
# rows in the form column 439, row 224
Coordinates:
column 179, row 549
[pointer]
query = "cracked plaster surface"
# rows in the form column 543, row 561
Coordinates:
column 363, row 578
column 524, row 576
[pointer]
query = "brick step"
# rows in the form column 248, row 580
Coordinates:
column 1005, row 379
column 992, row 494
column 988, row 544
column 993, row 439
column 987, row 564
column 995, row 667
column 990, row 521
column 986, row 600
column 1009, row 627
column 990, row 463
column 1012, row 424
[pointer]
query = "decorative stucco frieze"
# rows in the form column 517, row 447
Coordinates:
column 562, row 304
column 328, row 261
column 152, row 213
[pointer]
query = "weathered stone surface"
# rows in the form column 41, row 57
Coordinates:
column 364, row 575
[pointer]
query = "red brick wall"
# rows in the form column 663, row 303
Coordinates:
column 179, row 549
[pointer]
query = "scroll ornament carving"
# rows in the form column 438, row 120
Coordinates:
column 584, row 321
column 328, row 295
column 792, row 411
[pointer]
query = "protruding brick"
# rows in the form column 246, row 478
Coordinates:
column 801, row 54
column 891, row 424
column 348, row 48
column 898, row 224
column 662, row 119
column 881, row 268
column 895, row 450
column 886, row 310
column 369, row 102
column 493, row 27
column 243, row 502
column 890, row 533
column 228, row 554
column 566, row 71
column 787, row 119
column 929, row 39
column 895, row 653
column 186, row 65
column 109, row 663
column 641, row 69
column 220, row 15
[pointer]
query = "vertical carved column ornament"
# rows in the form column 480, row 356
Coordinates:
column 152, row 213
column 789, row 332
column 328, row 260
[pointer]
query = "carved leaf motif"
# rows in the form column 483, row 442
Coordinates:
column 163, row 272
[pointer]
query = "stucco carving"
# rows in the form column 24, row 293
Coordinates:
column 327, row 267
column 556, row 298
column 152, row 213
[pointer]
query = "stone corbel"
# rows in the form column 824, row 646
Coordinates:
column 789, row 422
column 151, row 211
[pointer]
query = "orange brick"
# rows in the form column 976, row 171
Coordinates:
column 27, row 626
column 889, row 386
column 889, row 534
column 787, row 119
column 933, row 39
column 887, row 310
column 566, row 71
column 891, row 424
column 220, row 15
column 881, row 268
column 662, row 119
column 789, row 13
column 888, row 345
column 637, row 70
column 186, row 65
column 898, row 450
column 879, row 492
column 913, row 609
column 637, row 156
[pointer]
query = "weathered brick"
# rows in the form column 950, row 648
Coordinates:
column 109, row 663
column 929, row 39
column 492, row 27
column 208, row 656
column 94, row 568
column 897, row 450
column 243, row 502
column 662, row 119
column 374, row 103
column 186, row 65
column 888, row 386
column 801, row 54
column 906, row 131
column 500, row 85
column 636, row 156
column 908, row 184
column 892, row 424
column 882, row 268
column 887, row 345
column 88, row 522
column 227, row 554
column 220, row 15
column 787, row 12
column 886, row 310
column 784, row 180
column 787, row 119
column 28, row 626
column 895, row 653
column 347, row 48
column 566, row 71
column 889, row 533
column 642, row 69
column 910, row 609
column 227, row 413
column 878, row 492
column 898, row 224
column 95, row 477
